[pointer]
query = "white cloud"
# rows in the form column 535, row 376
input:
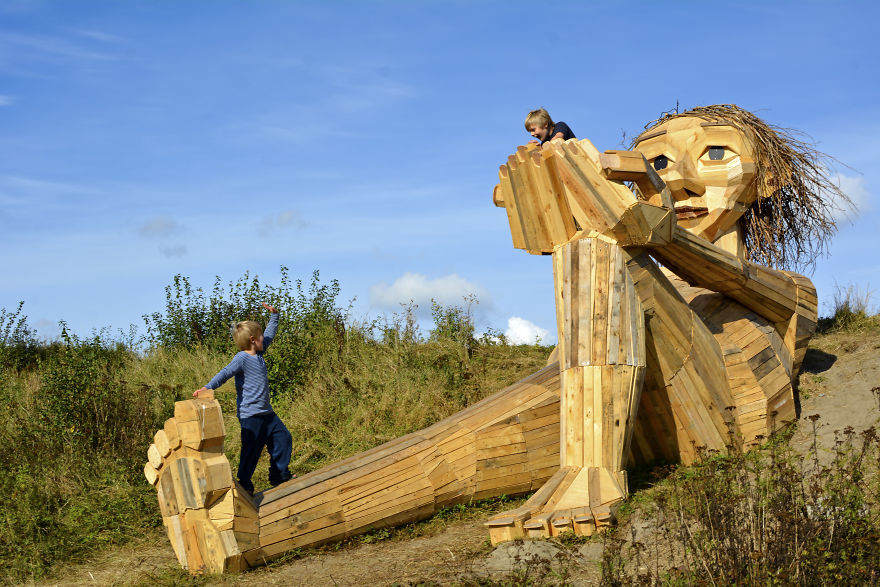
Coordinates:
column 97, row 35
column 20, row 47
column 521, row 331
column 160, row 226
column 173, row 251
column 448, row 290
column 282, row 220
column 854, row 187
column 6, row 100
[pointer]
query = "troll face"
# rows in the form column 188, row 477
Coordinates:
column 709, row 168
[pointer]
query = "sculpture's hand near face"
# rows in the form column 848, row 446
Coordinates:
column 570, row 190
column 645, row 225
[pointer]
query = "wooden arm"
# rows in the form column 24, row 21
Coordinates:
column 767, row 292
column 543, row 191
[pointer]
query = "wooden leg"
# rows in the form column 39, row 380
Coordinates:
column 688, row 377
column 602, row 361
column 505, row 444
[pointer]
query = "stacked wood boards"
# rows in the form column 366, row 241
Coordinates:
column 506, row 444
column 208, row 517
column 713, row 375
column 602, row 359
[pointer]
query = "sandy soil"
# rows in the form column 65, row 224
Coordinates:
column 840, row 381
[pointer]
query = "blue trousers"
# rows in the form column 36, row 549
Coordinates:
column 256, row 432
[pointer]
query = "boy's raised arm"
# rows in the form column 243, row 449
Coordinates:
column 271, row 327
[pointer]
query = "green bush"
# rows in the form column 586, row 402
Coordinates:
column 311, row 329
column 19, row 347
column 766, row 517
column 78, row 414
column 75, row 436
column 84, row 401
column 851, row 311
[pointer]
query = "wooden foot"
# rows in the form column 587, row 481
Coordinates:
column 576, row 499
column 210, row 519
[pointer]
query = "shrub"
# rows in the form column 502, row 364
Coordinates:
column 19, row 347
column 766, row 517
column 311, row 329
column 851, row 311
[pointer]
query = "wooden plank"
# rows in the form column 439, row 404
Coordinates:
column 160, row 441
column 601, row 279
column 585, row 300
column 167, row 496
column 516, row 230
column 171, row 433
column 151, row 473
column 153, row 457
column 573, row 408
column 301, row 519
column 176, row 536
column 339, row 473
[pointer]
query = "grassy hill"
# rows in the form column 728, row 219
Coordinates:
column 78, row 414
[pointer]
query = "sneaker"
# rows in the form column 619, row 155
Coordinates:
column 276, row 482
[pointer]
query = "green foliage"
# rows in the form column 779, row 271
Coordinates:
column 311, row 329
column 454, row 323
column 78, row 414
column 83, row 407
column 766, row 517
column 19, row 348
column 851, row 311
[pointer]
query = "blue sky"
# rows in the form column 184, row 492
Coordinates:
column 139, row 140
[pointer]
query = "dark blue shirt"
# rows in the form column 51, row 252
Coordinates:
column 560, row 127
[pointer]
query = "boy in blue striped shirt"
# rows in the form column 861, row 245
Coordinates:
column 260, row 425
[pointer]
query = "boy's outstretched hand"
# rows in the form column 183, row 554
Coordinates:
column 270, row 308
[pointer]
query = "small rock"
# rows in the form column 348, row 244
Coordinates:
column 592, row 551
column 518, row 554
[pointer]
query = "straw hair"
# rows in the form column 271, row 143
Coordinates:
column 791, row 222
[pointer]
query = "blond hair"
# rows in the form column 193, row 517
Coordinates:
column 243, row 331
column 790, row 223
column 538, row 118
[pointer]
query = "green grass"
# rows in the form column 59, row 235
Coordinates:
column 78, row 415
column 851, row 311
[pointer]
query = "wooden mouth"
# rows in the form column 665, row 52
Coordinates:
column 685, row 212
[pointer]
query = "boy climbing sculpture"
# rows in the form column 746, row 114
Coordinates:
column 671, row 336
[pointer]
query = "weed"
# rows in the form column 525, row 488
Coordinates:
column 80, row 412
column 851, row 311
column 763, row 517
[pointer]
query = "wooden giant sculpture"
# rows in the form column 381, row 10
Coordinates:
column 669, row 340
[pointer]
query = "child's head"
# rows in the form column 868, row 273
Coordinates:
column 246, row 333
column 539, row 123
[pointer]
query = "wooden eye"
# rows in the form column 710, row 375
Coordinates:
column 716, row 153
column 660, row 162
